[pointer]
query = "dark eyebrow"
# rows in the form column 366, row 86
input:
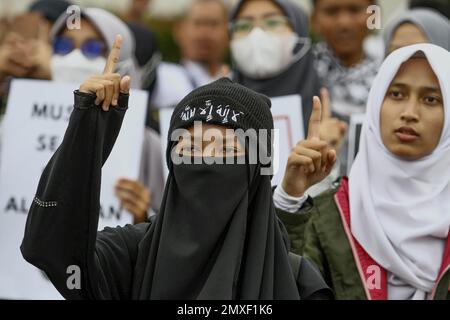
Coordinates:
column 200, row 137
column 432, row 89
column 266, row 15
column 399, row 84
column 404, row 85
column 272, row 14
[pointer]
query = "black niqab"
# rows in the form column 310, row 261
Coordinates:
column 217, row 237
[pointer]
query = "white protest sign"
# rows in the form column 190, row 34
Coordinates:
column 172, row 85
column 288, row 120
column 354, row 132
column 35, row 122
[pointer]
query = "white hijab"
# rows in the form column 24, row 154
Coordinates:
column 400, row 210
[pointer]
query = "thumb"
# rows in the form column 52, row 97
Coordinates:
column 125, row 84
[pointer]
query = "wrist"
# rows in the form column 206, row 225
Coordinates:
column 287, row 203
column 293, row 190
column 140, row 217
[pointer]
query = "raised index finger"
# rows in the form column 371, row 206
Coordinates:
column 114, row 55
column 314, row 120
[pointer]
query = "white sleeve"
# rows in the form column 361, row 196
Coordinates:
column 287, row 203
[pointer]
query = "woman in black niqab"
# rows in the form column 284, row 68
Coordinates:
column 216, row 237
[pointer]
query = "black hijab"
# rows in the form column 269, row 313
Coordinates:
column 301, row 77
column 217, row 235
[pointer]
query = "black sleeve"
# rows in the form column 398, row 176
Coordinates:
column 61, row 229
column 311, row 284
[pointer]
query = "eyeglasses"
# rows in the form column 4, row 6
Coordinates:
column 270, row 24
column 91, row 49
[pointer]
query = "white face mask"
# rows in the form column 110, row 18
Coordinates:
column 262, row 55
column 75, row 67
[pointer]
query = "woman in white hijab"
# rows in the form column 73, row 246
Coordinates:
column 383, row 233
column 420, row 25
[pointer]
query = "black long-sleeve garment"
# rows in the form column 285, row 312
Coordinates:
column 61, row 229
column 119, row 263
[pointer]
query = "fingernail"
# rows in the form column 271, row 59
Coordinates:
column 114, row 103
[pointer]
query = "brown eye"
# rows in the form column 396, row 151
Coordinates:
column 432, row 101
column 188, row 149
column 396, row 95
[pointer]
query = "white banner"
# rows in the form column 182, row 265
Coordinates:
column 288, row 120
column 35, row 122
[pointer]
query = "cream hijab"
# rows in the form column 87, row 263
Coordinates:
column 400, row 210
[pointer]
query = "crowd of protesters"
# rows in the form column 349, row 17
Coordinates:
column 220, row 231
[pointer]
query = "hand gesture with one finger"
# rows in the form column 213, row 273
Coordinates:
column 311, row 160
column 108, row 86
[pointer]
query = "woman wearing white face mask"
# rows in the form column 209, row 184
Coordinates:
column 80, row 53
column 271, row 55
column 270, row 50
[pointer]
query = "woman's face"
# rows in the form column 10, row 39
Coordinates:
column 210, row 141
column 260, row 13
column 412, row 114
column 405, row 35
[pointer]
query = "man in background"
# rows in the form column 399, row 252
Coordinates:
column 202, row 35
column 344, row 67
